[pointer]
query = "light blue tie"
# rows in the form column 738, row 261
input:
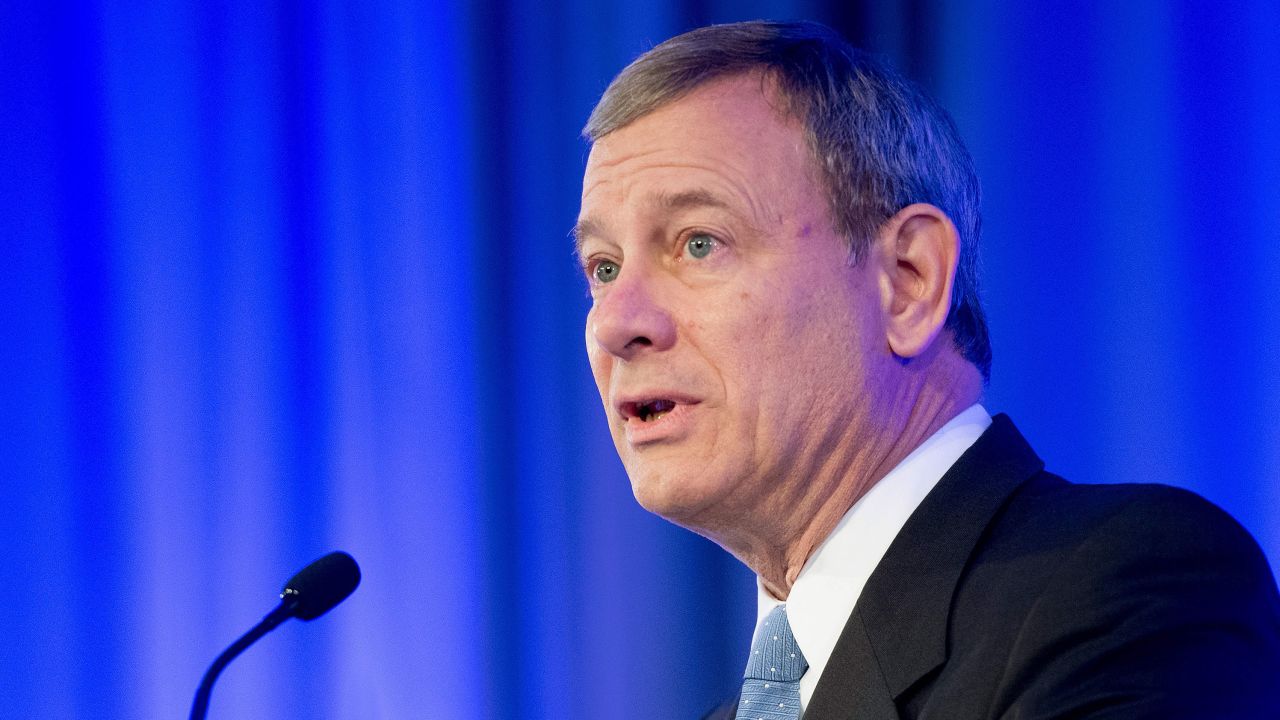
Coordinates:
column 771, row 685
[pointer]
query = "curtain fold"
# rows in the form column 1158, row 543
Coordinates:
column 287, row 277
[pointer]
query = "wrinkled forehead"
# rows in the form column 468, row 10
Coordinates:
column 723, row 146
column 634, row 95
column 736, row 117
column 728, row 87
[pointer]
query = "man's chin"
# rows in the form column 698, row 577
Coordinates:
column 682, row 500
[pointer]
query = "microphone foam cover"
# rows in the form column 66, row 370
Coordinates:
column 321, row 585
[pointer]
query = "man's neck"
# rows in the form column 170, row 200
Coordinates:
column 921, row 412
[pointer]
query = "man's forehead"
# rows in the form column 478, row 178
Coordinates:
column 625, row 105
column 732, row 117
column 740, row 102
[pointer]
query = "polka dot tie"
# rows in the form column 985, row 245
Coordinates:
column 771, row 685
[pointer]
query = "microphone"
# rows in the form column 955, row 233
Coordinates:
column 314, row 591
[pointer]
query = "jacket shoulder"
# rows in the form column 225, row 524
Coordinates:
column 1139, row 599
column 1143, row 523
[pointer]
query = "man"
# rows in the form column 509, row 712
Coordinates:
column 779, row 236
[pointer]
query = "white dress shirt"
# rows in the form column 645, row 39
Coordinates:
column 823, row 596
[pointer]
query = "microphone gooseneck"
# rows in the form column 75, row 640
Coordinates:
column 314, row 591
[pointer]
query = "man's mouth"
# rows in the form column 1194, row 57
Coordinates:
column 654, row 409
column 648, row 410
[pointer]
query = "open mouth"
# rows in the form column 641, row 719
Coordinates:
column 650, row 410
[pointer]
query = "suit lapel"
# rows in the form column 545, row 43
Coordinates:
column 897, row 632
column 852, row 686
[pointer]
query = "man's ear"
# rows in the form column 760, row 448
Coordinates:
column 918, row 248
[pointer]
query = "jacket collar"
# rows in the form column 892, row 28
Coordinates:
column 898, row 630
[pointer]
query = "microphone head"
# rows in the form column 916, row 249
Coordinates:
column 321, row 585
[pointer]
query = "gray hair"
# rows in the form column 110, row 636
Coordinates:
column 880, row 142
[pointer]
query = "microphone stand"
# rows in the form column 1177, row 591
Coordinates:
column 282, row 612
column 308, row 595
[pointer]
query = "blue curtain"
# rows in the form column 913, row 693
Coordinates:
column 285, row 277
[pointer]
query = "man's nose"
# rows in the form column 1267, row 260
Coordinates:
column 631, row 317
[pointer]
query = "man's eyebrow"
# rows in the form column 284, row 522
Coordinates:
column 689, row 199
column 667, row 202
column 584, row 228
column 700, row 198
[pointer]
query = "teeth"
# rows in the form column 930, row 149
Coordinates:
column 650, row 411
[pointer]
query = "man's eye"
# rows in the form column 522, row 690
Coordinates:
column 700, row 245
column 605, row 271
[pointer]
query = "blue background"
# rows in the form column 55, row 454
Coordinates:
column 282, row 277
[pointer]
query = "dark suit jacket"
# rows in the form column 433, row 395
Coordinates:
column 1011, row 593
